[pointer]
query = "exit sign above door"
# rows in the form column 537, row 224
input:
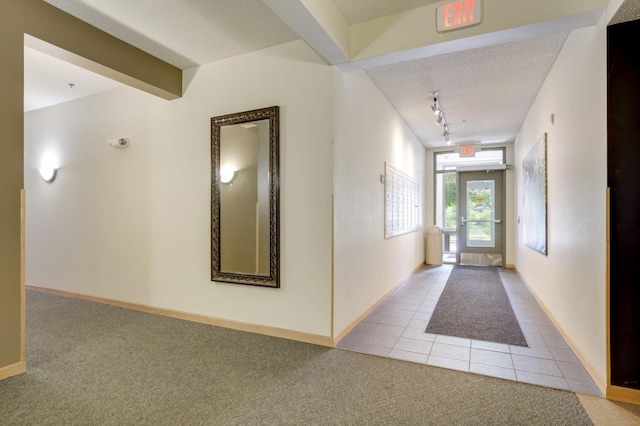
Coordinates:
column 458, row 14
column 467, row 151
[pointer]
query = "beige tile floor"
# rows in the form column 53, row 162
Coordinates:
column 396, row 329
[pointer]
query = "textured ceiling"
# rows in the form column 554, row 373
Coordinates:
column 485, row 93
column 185, row 33
column 628, row 11
column 46, row 81
column 357, row 11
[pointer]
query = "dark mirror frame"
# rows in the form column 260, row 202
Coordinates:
column 273, row 279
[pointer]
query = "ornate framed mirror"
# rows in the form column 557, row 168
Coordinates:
column 245, row 234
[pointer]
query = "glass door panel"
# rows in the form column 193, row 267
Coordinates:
column 447, row 212
column 481, row 230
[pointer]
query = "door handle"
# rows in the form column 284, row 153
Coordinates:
column 463, row 221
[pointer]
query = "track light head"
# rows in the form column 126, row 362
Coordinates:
column 436, row 106
column 440, row 120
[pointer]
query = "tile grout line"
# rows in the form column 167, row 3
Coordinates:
column 526, row 310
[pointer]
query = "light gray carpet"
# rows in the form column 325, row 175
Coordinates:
column 475, row 305
column 92, row 364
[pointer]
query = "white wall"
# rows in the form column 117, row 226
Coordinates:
column 134, row 224
column 570, row 281
column 368, row 133
column 510, row 209
column 612, row 8
column 430, row 187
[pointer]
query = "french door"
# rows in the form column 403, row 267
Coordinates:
column 480, row 227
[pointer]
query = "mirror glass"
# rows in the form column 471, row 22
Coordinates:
column 245, row 197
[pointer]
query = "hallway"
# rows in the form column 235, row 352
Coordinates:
column 396, row 329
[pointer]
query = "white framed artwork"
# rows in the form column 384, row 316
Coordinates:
column 534, row 201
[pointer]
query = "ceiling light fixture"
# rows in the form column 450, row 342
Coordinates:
column 440, row 120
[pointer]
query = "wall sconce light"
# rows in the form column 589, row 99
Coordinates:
column 227, row 173
column 48, row 173
column 48, row 169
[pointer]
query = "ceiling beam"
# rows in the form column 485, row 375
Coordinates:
column 416, row 28
column 508, row 35
column 319, row 23
column 412, row 34
column 66, row 37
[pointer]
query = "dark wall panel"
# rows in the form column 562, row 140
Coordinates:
column 624, row 180
column 11, row 178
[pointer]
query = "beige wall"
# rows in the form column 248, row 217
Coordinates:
column 11, row 181
column 570, row 281
column 612, row 8
column 134, row 224
column 368, row 133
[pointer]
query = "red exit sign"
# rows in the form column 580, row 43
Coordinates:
column 467, row 151
column 458, row 14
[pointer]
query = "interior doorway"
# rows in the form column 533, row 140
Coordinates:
column 472, row 219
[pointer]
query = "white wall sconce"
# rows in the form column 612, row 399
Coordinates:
column 227, row 173
column 48, row 168
column 48, row 173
